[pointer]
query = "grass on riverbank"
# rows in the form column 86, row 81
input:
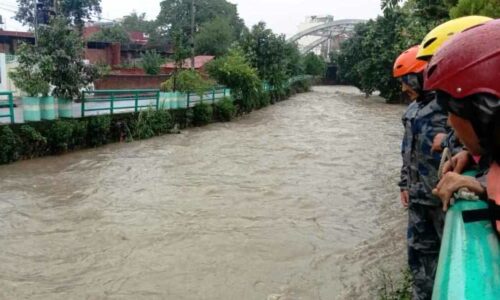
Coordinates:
column 395, row 289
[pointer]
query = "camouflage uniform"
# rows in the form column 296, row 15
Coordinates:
column 423, row 120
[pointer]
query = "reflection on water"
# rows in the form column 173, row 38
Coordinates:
column 296, row 201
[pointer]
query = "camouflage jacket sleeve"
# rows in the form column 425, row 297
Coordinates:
column 406, row 146
column 452, row 142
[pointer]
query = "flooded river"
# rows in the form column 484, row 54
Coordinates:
column 295, row 201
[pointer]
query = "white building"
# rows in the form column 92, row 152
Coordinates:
column 309, row 22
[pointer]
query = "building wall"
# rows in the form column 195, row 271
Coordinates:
column 102, row 56
column 130, row 82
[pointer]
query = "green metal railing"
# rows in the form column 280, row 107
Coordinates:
column 7, row 104
column 116, row 100
column 210, row 96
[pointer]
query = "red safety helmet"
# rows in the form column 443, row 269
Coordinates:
column 407, row 63
column 468, row 63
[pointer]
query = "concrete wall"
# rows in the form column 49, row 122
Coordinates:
column 120, row 82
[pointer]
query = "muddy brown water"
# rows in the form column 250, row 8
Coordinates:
column 295, row 201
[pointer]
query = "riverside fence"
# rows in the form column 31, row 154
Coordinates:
column 101, row 102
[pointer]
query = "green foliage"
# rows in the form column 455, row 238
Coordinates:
column 215, row 37
column 60, row 136
column 31, row 73
column 68, row 74
column 33, row 143
column 489, row 8
column 225, row 110
column 175, row 15
column 294, row 61
column 187, row 81
column 367, row 58
column 138, row 22
column 202, row 114
column 314, row 65
column 112, row 34
column 235, row 72
column 266, row 52
column 151, row 62
column 161, row 122
column 151, row 123
column 98, row 131
column 9, row 145
column 76, row 12
column 391, row 289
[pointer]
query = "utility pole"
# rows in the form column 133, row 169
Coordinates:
column 35, row 6
column 193, row 13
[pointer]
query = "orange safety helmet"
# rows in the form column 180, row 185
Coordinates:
column 408, row 63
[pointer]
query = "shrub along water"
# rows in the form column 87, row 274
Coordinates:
column 36, row 139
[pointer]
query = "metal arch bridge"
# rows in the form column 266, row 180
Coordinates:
column 336, row 30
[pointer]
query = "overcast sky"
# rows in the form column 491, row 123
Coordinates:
column 283, row 16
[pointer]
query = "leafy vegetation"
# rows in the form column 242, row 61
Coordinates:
column 187, row 81
column 266, row 52
column 314, row 65
column 75, row 12
column 69, row 74
column 151, row 62
column 234, row 71
column 113, row 34
column 215, row 37
column 31, row 73
column 225, row 110
column 202, row 114
column 175, row 15
column 366, row 59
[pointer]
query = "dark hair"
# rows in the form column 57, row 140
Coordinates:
column 485, row 119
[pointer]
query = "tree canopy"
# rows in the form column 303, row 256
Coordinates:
column 215, row 37
column 76, row 11
column 176, row 15
column 114, row 33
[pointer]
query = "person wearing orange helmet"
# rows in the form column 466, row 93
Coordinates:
column 465, row 73
column 425, row 125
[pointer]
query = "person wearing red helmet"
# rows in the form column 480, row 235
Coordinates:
column 465, row 72
column 425, row 126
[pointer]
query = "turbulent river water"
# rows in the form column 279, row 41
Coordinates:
column 295, row 201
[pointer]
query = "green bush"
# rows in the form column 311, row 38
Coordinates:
column 33, row 143
column 234, row 71
column 98, row 131
column 142, row 128
column 79, row 139
column 202, row 114
column 161, row 121
column 187, row 81
column 9, row 147
column 151, row 62
column 225, row 110
column 60, row 136
column 264, row 99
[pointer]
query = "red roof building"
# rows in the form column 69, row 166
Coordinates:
column 199, row 62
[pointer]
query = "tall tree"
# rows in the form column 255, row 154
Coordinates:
column 76, row 11
column 489, row 8
column 176, row 15
column 266, row 52
column 314, row 65
column 114, row 33
column 215, row 37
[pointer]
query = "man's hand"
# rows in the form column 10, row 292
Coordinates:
column 459, row 161
column 436, row 144
column 405, row 198
column 451, row 183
